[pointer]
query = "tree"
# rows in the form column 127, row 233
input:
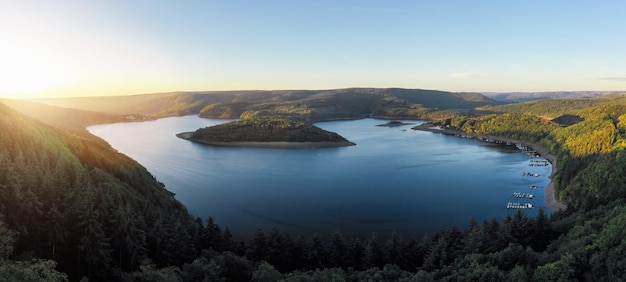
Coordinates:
column 338, row 250
column 56, row 231
column 94, row 244
column 34, row 270
column 7, row 239
column 561, row 270
column 373, row 256
column 394, row 250
column 315, row 252
column 265, row 272
column 258, row 249
column 131, row 239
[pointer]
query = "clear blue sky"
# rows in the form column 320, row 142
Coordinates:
column 115, row 47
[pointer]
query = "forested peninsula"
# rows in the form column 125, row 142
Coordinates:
column 73, row 208
column 267, row 132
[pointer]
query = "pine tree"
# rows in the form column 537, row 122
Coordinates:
column 394, row 249
column 338, row 250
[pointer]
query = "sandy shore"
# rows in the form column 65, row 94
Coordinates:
column 271, row 145
column 551, row 196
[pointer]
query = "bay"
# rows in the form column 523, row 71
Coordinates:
column 395, row 178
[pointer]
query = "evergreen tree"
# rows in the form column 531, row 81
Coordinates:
column 315, row 252
column 338, row 250
column 394, row 250
column 258, row 249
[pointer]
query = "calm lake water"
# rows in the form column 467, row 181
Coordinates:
column 394, row 178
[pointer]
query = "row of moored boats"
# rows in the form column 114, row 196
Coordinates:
column 519, row 195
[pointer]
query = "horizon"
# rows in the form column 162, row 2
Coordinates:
column 116, row 48
column 485, row 93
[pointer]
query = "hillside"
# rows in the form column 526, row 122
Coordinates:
column 267, row 132
column 70, row 206
column 79, row 203
column 516, row 97
column 311, row 105
column 555, row 108
column 70, row 119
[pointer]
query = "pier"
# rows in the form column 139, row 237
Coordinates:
column 522, row 195
column 511, row 205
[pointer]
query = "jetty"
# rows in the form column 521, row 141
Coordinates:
column 511, row 205
column 538, row 163
column 522, row 195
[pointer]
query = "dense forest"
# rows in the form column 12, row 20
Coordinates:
column 265, row 129
column 312, row 105
column 72, row 208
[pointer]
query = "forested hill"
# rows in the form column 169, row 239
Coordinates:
column 265, row 129
column 516, row 97
column 312, row 105
column 73, row 120
column 76, row 201
column 72, row 200
column 556, row 108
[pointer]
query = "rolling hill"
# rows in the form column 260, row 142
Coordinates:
column 311, row 105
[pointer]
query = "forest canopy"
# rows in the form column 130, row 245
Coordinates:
column 73, row 207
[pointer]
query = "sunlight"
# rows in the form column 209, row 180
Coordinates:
column 22, row 76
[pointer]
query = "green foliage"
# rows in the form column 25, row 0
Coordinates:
column 312, row 105
column 265, row 129
column 77, row 201
column 265, row 272
column 73, row 200
column 33, row 270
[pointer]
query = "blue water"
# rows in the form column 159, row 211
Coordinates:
column 396, row 178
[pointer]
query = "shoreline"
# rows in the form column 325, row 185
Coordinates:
column 284, row 145
column 552, row 201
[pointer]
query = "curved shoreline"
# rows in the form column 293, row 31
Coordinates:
column 270, row 145
column 552, row 201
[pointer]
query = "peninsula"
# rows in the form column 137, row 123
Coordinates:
column 267, row 132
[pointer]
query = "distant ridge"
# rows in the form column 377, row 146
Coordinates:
column 515, row 97
column 304, row 104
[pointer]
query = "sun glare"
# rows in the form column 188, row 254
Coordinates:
column 25, row 76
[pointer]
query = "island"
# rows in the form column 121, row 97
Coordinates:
column 394, row 123
column 267, row 132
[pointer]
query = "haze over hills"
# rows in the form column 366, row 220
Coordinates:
column 553, row 108
column 515, row 97
column 71, row 119
column 306, row 104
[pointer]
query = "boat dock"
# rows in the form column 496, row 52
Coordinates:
column 511, row 205
column 538, row 163
column 522, row 195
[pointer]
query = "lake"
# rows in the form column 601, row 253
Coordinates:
column 395, row 178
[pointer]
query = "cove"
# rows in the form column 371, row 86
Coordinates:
column 395, row 178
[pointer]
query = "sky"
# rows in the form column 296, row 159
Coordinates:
column 122, row 47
